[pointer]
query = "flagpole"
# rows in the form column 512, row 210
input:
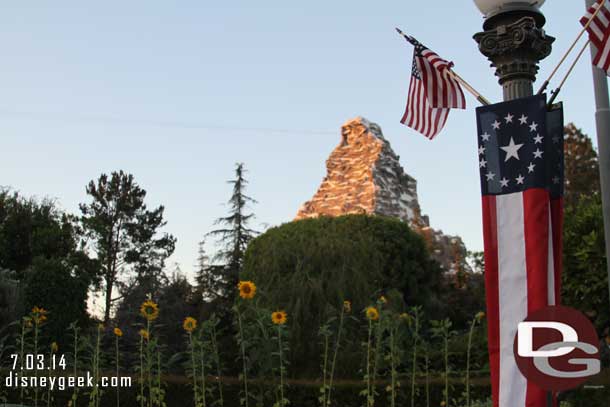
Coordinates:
column 602, row 122
column 458, row 78
column 469, row 88
column 563, row 58
column 565, row 77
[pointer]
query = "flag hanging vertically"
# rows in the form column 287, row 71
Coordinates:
column 432, row 91
column 521, row 170
column 555, row 180
column 599, row 32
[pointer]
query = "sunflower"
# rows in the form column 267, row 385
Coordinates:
column 149, row 310
column 406, row 317
column 279, row 317
column 38, row 310
column 347, row 307
column 117, row 332
column 189, row 324
column 54, row 347
column 372, row 313
column 247, row 289
column 480, row 315
column 144, row 334
column 383, row 300
column 39, row 315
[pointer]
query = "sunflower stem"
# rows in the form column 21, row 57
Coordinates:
column 368, row 365
column 335, row 353
column 141, row 371
column 192, row 346
column 243, row 356
column 217, row 360
column 393, row 366
column 324, row 372
column 414, row 362
column 472, row 325
column 148, row 365
column 116, row 343
column 279, row 336
column 427, row 361
column 203, row 399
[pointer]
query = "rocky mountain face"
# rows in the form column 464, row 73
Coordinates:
column 364, row 175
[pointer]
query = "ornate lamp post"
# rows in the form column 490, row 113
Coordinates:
column 514, row 41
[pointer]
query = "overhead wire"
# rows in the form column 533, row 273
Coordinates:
column 118, row 121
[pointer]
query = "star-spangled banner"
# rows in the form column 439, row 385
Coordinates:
column 433, row 91
column 599, row 32
column 520, row 154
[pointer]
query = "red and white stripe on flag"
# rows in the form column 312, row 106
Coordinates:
column 522, row 234
column 443, row 91
column 521, row 172
column 433, row 91
column 419, row 114
column 599, row 33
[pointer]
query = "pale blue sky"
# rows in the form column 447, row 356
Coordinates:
column 162, row 88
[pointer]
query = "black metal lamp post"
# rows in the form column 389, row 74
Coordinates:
column 514, row 41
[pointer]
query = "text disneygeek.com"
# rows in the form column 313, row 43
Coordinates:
column 16, row 380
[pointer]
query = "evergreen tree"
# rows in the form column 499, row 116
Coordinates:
column 124, row 233
column 233, row 236
column 207, row 281
column 201, row 268
column 581, row 166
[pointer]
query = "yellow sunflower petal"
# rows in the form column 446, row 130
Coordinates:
column 247, row 289
column 279, row 317
column 372, row 313
column 189, row 324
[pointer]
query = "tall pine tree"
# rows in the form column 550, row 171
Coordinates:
column 233, row 236
column 125, row 234
column 208, row 281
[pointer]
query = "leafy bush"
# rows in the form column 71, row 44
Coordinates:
column 50, row 283
column 310, row 266
column 585, row 280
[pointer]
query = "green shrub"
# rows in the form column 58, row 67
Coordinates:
column 310, row 266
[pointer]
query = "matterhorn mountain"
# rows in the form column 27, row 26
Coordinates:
column 364, row 175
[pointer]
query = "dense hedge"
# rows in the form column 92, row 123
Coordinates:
column 309, row 267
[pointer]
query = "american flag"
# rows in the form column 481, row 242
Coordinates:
column 432, row 91
column 599, row 33
column 521, row 171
